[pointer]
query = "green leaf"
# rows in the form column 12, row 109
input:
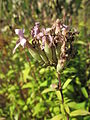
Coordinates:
column 27, row 85
column 12, row 108
column 26, row 72
column 10, row 72
column 28, row 101
column 47, row 90
column 25, row 108
column 78, row 81
column 56, row 109
column 43, row 84
column 76, row 105
column 66, row 108
column 42, row 71
column 70, row 70
column 74, row 119
column 66, row 83
column 84, row 92
column 39, row 108
column 12, row 88
column 20, row 102
column 81, row 42
column 58, row 117
column 79, row 112
column 62, row 109
column 16, row 117
column 59, row 95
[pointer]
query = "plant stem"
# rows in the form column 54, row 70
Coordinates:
column 67, row 116
column 60, row 89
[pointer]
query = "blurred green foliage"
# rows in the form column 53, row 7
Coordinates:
column 26, row 91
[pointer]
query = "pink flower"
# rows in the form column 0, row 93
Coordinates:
column 21, row 41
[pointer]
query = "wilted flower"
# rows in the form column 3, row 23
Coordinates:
column 35, row 30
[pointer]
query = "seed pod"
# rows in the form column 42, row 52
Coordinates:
column 48, row 52
column 43, row 56
column 34, row 52
column 47, row 48
column 54, row 57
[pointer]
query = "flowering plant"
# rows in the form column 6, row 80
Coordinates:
column 50, row 46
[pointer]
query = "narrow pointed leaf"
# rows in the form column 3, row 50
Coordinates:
column 58, row 117
column 47, row 90
column 66, row 83
column 79, row 112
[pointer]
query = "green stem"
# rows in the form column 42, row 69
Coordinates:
column 60, row 89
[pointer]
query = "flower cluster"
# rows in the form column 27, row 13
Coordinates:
column 50, row 46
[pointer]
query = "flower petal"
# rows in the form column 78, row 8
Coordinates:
column 19, row 32
column 23, row 42
column 17, row 45
column 40, row 35
column 43, row 42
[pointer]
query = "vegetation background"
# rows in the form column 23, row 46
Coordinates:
column 25, row 87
